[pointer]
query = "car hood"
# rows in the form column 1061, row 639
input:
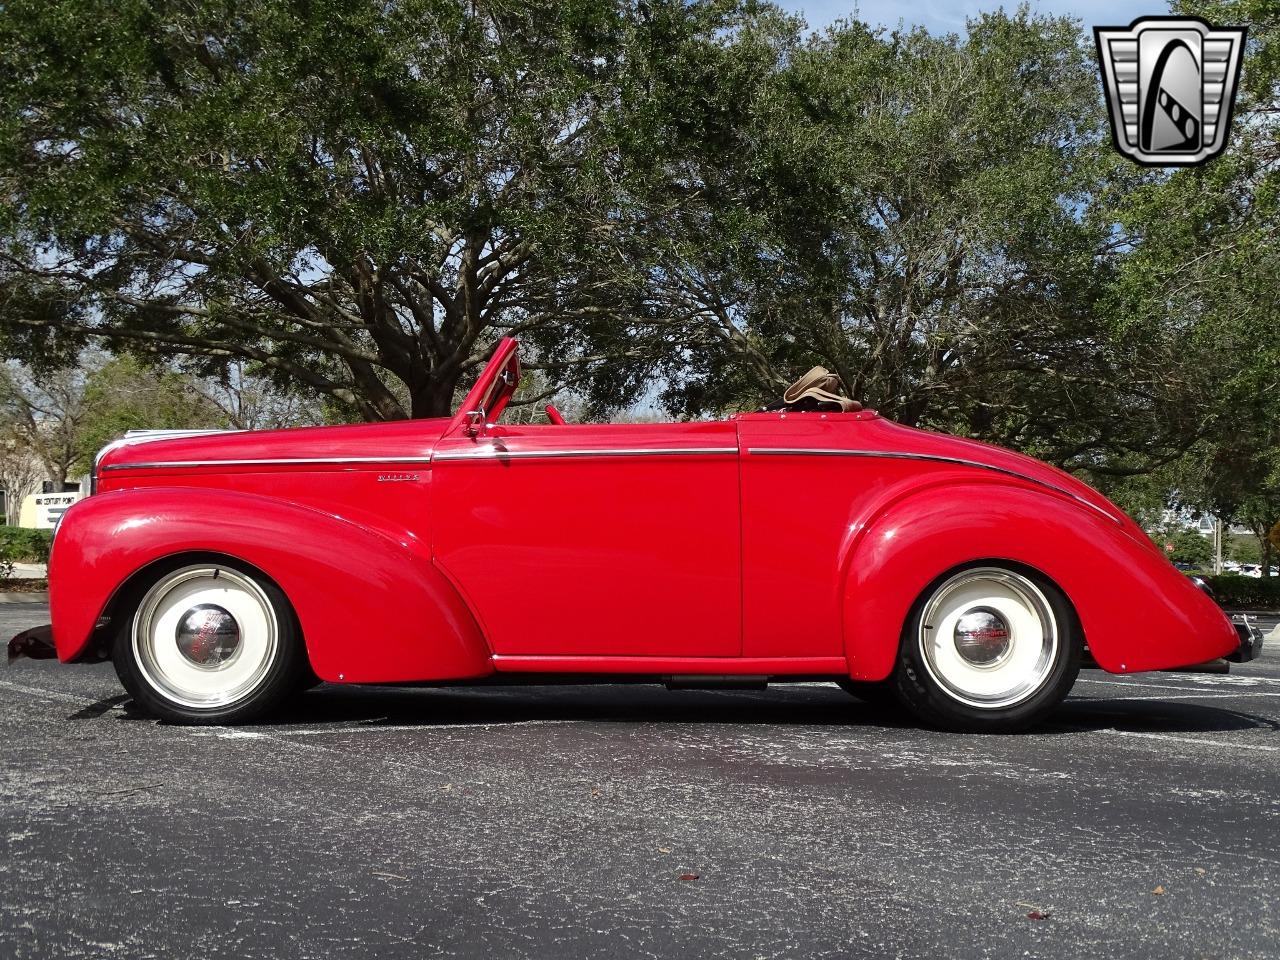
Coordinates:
column 157, row 449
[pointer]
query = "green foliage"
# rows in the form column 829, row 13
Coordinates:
column 1199, row 284
column 350, row 194
column 357, row 197
column 23, row 545
column 1243, row 549
column 1188, row 545
column 1144, row 496
column 40, row 415
column 931, row 217
column 1245, row 593
column 124, row 395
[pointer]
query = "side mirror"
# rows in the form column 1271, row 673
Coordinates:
column 475, row 422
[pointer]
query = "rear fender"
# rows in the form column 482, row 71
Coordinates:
column 1137, row 611
column 371, row 609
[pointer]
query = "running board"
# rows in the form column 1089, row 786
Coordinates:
column 660, row 666
column 711, row 681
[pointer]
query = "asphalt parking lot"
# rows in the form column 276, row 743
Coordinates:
column 1143, row 821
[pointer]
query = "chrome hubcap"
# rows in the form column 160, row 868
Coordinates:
column 205, row 636
column 982, row 637
column 208, row 635
column 989, row 637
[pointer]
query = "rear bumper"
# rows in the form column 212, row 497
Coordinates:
column 1248, row 647
column 1250, row 635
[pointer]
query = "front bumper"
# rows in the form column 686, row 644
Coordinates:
column 36, row 643
column 1250, row 635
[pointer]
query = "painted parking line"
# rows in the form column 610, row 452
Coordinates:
column 402, row 727
column 221, row 733
column 247, row 736
column 1198, row 741
column 242, row 733
column 1094, row 698
column 45, row 694
column 1215, row 684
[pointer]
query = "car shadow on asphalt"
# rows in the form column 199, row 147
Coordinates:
column 621, row 703
column 1152, row 716
column 641, row 703
column 372, row 707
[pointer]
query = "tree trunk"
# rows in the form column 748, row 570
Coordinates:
column 434, row 398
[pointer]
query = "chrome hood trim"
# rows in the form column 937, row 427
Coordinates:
column 134, row 437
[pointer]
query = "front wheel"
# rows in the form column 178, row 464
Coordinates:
column 988, row 648
column 210, row 643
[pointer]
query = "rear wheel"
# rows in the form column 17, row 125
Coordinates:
column 991, row 647
column 210, row 643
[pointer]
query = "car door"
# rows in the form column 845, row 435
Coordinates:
column 594, row 540
column 797, row 509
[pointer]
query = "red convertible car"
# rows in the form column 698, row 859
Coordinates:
column 222, row 571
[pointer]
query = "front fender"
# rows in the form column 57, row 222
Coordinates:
column 1137, row 611
column 371, row 610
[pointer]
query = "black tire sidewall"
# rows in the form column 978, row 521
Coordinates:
column 282, row 677
column 917, row 689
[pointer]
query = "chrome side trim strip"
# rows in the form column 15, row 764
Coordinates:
column 496, row 453
column 481, row 453
column 268, row 462
column 930, row 457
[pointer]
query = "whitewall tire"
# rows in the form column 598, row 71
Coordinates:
column 992, row 646
column 208, row 642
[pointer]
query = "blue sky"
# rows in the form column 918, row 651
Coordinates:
column 941, row 16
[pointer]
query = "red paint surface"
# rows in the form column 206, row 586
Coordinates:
column 630, row 556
